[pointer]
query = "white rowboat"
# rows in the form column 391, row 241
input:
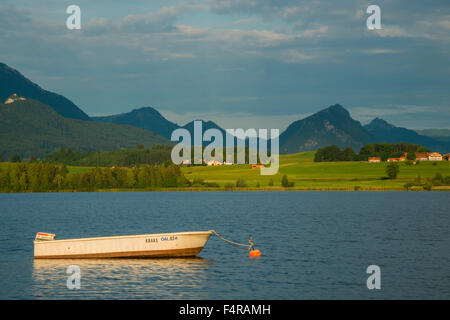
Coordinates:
column 163, row 245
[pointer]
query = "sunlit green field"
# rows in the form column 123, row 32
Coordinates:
column 308, row 174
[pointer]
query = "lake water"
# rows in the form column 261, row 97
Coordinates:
column 315, row 245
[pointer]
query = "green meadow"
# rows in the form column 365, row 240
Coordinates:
column 310, row 175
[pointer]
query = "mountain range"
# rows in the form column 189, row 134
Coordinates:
column 335, row 126
column 332, row 125
column 36, row 121
column 149, row 118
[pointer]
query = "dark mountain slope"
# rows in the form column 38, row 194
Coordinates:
column 12, row 81
column 29, row 127
column 386, row 132
column 146, row 118
column 331, row 126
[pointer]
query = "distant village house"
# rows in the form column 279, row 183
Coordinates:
column 398, row 159
column 374, row 159
column 421, row 156
column 435, row 156
column 429, row 156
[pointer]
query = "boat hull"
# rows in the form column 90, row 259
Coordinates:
column 181, row 244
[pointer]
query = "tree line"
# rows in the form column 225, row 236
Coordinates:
column 382, row 150
column 43, row 177
column 158, row 154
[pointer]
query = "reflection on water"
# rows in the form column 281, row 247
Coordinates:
column 123, row 278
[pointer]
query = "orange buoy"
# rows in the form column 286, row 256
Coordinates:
column 254, row 253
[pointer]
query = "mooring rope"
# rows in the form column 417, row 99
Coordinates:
column 236, row 244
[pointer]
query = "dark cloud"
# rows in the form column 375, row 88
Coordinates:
column 266, row 58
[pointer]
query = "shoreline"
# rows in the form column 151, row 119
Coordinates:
column 446, row 188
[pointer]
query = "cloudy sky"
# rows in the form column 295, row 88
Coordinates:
column 241, row 63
